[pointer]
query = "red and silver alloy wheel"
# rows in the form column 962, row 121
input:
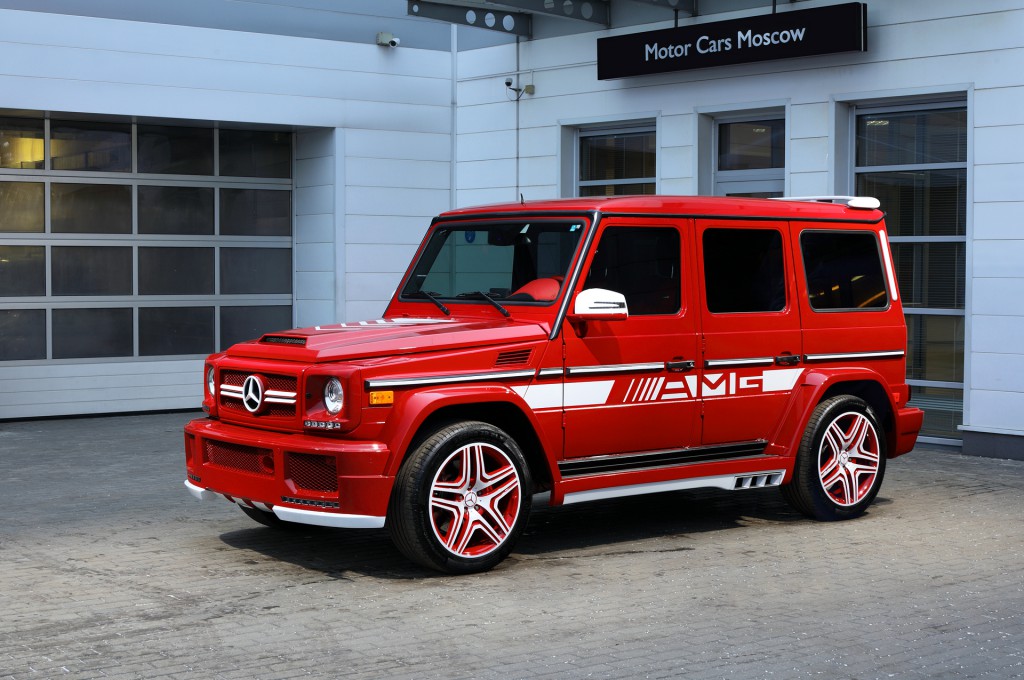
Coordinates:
column 475, row 500
column 840, row 464
column 848, row 458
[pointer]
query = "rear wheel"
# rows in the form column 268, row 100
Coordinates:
column 841, row 461
column 461, row 499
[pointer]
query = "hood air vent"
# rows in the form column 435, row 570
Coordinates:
column 513, row 358
column 283, row 340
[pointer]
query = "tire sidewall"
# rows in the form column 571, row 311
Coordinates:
column 420, row 470
column 822, row 505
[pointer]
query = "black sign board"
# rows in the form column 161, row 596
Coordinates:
column 806, row 32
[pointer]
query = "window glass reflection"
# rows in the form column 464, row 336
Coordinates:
column 175, row 330
column 175, row 210
column 22, row 334
column 92, row 270
column 248, row 271
column 82, row 145
column 90, row 208
column 21, row 207
column 22, row 271
column 253, row 153
column 21, row 144
column 176, row 271
column 238, row 324
column 175, row 150
column 255, row 212
column 92, row 333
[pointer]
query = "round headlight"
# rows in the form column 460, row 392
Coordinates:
column 210, row 385
column 334, row 396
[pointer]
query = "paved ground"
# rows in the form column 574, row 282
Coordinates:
column 109, row 569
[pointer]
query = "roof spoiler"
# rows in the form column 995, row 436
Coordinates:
column 857, row 202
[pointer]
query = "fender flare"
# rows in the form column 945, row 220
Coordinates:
column 417, row 408
column 814, row 384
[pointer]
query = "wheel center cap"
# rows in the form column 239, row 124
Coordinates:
column 844, row 459
column 471, row 499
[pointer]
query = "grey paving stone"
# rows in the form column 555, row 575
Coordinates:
column 108, row 569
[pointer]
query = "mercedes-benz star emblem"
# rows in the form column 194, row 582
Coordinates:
column 252, row 394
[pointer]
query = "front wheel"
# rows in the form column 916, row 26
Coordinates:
column 840, row 463
column 461, row 499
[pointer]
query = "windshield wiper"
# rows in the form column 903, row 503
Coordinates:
column 497, row 305
column 440, row 305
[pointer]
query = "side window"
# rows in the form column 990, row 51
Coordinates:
column 844, row 270
column 744, row 270
column 642, row 263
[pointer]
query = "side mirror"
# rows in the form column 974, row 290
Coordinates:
column 598, row 304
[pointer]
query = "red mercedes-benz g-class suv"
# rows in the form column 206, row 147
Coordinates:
column 588, row 348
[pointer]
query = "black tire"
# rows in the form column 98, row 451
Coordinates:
column 841, row 461
column 461, row 499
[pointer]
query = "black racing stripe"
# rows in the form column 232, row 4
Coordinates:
column 644, row 461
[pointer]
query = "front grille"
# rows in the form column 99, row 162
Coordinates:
column 239, row 457
column 311, row 472
column 275, row 383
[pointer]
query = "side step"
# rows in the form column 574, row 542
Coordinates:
column 757, row 480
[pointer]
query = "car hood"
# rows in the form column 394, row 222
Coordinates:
column 386, row 337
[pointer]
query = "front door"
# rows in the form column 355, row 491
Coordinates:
column 625, row 381
column 751, row 327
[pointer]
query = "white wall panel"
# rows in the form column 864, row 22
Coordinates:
column 999, row 220
column 997, row 410
column 999, row 259
column 996, row 334
column 406, row 202
column 998, row 296
column 484, row 146
column 387, row 229
column 399, row 144
column 386, row 259
column 998, row 182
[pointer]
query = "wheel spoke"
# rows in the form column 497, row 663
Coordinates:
column 848, row 458
column 474, row 500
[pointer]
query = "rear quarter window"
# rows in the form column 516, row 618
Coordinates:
column 843, row 270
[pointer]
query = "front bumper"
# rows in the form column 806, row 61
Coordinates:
column 300, row 478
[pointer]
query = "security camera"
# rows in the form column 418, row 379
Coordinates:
column 508, row 82
column 388, row 40
column 394, row 42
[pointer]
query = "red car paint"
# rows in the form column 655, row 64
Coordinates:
column 689, row 390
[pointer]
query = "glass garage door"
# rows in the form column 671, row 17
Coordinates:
column 123, row 241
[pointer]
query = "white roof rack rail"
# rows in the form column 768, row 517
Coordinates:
column 858, row 202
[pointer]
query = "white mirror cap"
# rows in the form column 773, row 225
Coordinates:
column 598, row 303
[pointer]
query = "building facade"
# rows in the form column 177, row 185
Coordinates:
column 171, row 184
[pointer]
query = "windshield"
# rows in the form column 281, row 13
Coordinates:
column 514, row 262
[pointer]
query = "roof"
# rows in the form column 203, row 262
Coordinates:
column 684, row 206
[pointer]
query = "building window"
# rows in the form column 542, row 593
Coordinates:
column 123, row 240
column 914, row 160
column 750, row 157
column 614, row 162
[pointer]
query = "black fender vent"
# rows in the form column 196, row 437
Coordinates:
column 516, row 357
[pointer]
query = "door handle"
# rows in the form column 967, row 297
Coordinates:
column 787, row 360
column 679, row 366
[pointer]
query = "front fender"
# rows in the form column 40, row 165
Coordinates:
column 402, row 427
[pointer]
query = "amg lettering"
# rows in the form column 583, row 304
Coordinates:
column 750, row 39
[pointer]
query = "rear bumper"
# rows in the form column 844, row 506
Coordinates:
column 908, row 425
column 300, row 478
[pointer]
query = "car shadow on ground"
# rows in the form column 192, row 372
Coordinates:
column 592, row 529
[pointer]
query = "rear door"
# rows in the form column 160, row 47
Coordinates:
column 625, row 388
column 752, row 349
